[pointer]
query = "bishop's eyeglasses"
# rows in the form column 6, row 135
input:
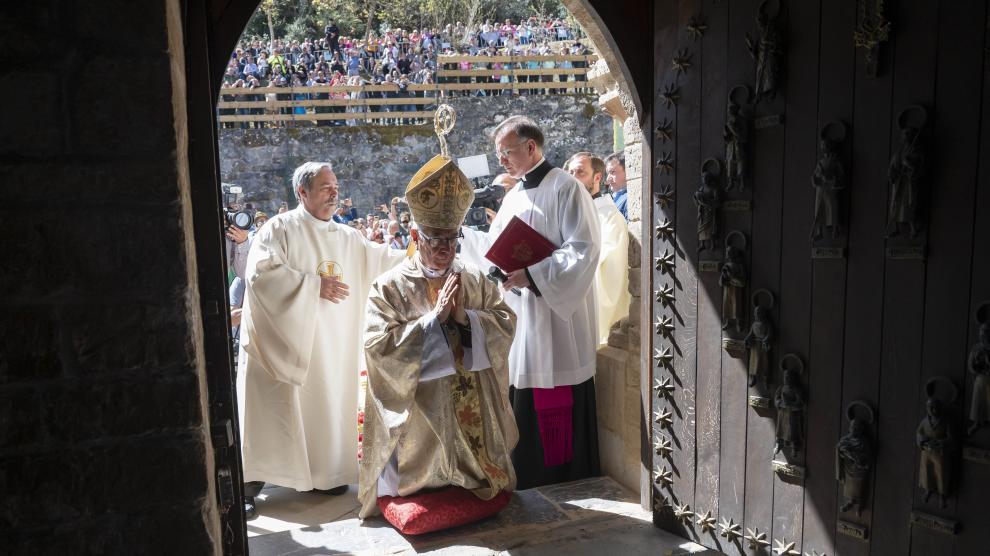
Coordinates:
column 436, row 242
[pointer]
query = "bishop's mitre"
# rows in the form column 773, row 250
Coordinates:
column 439, row 194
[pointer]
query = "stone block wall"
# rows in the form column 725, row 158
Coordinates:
column 374, row 163
column 618, row 373
column 103, row 447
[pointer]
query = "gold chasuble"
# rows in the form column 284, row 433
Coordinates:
column 457, row 429
column 436, row 399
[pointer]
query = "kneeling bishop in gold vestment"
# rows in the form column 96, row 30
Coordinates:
column 436, row 409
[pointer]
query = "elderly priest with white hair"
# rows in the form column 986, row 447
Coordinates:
column 298, row 371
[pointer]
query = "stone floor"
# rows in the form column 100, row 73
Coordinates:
column 589, row 517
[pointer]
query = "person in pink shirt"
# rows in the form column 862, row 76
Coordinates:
column 464, row 66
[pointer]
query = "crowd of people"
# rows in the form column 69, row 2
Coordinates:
column 397, row 57
column 390, row 225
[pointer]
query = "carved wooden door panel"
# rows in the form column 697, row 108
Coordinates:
column 819, row 230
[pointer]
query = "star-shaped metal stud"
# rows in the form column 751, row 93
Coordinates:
column 664, row 356
column 706, row 521
column 665, row 262
column 730, row 529
column 696, row 27
column 664, row 387
column 681, row 61
column 662, row 447
column 664, row 130
column 665, row 418
column 665, row 163
column 670, row 95
column 815, row 553
column 665, row 477
column 783, row 548
column 683, row 513
column 665, row 295
column 664, row 326
column 665, row 197
column 664, row 229
column 661, row 503
column 756, row 539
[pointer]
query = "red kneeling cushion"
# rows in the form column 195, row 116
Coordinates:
column 442, row 509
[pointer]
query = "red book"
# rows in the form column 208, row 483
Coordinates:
column 519, row 246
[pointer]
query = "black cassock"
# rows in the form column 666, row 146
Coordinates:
column 527, row 458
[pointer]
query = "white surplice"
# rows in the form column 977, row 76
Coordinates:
column 612, row 278
column 556, row 333
column 298, row 370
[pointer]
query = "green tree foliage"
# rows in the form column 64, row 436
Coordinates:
column 299, row 19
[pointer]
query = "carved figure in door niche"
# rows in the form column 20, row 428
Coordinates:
column 979, row 365
column 936, row 441
column 789, row 401
column 854, row 458
column 759, row 338
column 829, row 180
column 708, row 198
column 732, row 278
column 907, row 169
column 767, row 50
column 736, row 136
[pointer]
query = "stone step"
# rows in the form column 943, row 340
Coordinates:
column 588, row 517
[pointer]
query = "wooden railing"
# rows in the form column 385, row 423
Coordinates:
column 269, row 104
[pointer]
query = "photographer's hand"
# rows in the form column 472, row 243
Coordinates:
column 236, row 234
column 235, row 316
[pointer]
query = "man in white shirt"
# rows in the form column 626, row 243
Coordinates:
column 552, row 359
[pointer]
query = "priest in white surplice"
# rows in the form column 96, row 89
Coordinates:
column 301, row 347
column 552, row 359
column 612, row 278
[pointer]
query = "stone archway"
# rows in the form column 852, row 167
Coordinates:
column 620, row 96
column 623, row 373
column 115, row 364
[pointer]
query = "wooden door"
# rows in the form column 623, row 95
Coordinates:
column 871, row 318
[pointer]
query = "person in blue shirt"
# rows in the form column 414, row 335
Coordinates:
column 345, row 213
column 353, row 64
column 615, row 177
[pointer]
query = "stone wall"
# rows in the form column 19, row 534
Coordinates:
column 374, row 163
column 620, row 420
column 103, row 448
column 622, row 406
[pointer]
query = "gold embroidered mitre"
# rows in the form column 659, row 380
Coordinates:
column 439, row 194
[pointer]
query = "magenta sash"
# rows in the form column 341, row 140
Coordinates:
column 553, row 413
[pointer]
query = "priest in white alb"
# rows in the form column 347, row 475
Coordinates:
column 612, row 277
column 552, row 360
column 297, row 377
column 436, row 407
